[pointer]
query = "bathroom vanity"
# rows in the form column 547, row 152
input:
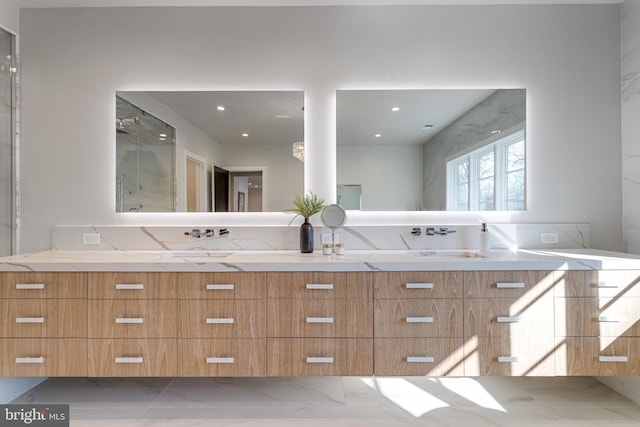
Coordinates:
column 281, row 313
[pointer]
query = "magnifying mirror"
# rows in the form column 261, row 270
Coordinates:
column 333, row 216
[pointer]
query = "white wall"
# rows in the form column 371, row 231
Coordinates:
column 9, row 16
column 567, row 57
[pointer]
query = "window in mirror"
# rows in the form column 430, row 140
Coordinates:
column 489, row 178
column 396, row 145
column 232, row 133
column 7, row 141
column 350, row 197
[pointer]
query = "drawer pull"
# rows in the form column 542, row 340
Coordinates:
column 607, row 285
column 508, row 359
column 319, row 319
column 510, row 285
column 418, row 285
column 420, row 359
column 220, row 360
column 320, row 286
column 129, row 360
column 612, row 319
column 35, row 360
column 419, row 319
column 509, row 319
column 220, row 287
column 130, row 286
column 319, row 359
column 613, row 359
column 219, row 320
column 32, row 286
column 130, row 320
column 29, row 319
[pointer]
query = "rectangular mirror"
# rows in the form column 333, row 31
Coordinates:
column 213, row 151
column 433, row 149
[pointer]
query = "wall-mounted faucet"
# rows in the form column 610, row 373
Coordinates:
column 209, row 232
column 442, row 231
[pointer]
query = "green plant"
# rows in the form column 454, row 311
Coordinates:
column 306, row 206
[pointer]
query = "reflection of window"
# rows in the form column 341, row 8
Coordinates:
column 489, row 178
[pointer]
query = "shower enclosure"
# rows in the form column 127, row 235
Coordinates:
column 145, row 161
column 7, row 141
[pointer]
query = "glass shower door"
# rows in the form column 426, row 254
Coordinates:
column 7, row 140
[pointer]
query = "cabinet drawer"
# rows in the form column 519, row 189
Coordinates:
column 43, row 357
column 503, row 317
column 222, row 319
column 222, row 285
column 222, row 358
column 406, row 356
column 592, row 317
column 132, row 358
column 418, row 318
column 319, row 357
column 418, row 284
column 133, row 285
column 320, row 318
column 583, row 356
column 43, row 318
column 319, row 285
column 508, row 284
column 509, row 356
column 43, row 285
column 598, row 283
column 132, row 319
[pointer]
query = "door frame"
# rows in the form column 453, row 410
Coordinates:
column 201, row 180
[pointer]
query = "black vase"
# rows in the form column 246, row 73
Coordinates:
column 306, row 237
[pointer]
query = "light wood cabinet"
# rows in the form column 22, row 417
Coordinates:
column 44, row 357
column 419, row 356
column 132, row 357
column 319, row 285
column 132, row 319
column 222, row 318
column 418, row 318
column 418, row 284
column 134, row 285
column 319, row 357
column 598, row 356
column 43, row 285
column 236, row 285
column 514, row 355
column 43, row 318
column 222, row 358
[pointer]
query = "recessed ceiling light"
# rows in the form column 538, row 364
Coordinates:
column 395, row 109
column 220, row 108
column 427, row 126
column 495, row 132
column 283, row 116
column 378, row 135
column 162, row 139
column 245, row 135
column 163, row 135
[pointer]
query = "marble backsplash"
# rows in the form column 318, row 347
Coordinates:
column 287, row 238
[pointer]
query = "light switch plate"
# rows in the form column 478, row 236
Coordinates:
column 91, row 239
column 549, row 238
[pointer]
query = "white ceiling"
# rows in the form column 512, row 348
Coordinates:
column 135, row 3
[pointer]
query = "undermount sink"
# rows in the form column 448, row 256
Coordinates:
column 443, row 253
column 196, row 254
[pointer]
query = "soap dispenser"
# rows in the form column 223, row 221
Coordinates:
column 484, row 240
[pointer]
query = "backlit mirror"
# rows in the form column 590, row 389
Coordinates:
column 214, row 151
column 431, row 150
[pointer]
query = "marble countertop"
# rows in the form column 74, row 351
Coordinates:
column 378, row 260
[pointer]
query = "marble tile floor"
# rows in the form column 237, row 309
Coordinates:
column 338, row 402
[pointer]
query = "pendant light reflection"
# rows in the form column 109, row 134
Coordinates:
column 298, row 150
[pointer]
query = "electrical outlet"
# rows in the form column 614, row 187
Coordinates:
column 549, row 238
column 91, row 239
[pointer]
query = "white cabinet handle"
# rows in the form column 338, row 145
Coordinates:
column 420, row 359
column 30, row 359
column 220, row 287
column 219, row 320
column 319, row 319
column 418, row 285
column 319, row 359
column 29, row 319
column 220, row 360
column 320, row 286
column 130, row 286
column 612, row 319
column 508, row 319
column 508, row 359
column 29, row 285
column 510, row 285
column 129, row 360
column 130, row 320
column 607, row 285
column 419, row 319
column 613, row 359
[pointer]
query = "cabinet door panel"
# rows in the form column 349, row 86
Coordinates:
column 607, row 284
column 132, row 319
column 504, row 317
column 592, row 317
column 136, row 285
column 426, row 356
column 222, row 285
column 132, row 357
column 43, row 357
column 509, row 356
column 43, row 318
column 320, row 318
column 43, row 285
column 222, row 357
column 418, row 284
column 418, row 318
column 598, row 357
column 319, row 285
column 509, row 284
column 222, row 319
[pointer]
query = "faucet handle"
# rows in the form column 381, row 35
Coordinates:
column 416, row 231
